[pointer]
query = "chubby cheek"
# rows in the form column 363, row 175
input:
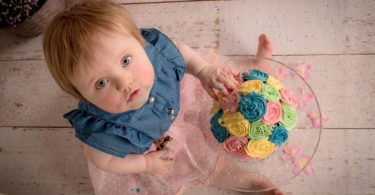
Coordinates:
column 108, row 102
column 148, row 75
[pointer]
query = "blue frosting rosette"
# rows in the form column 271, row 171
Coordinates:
column 219, row 131
column 255, row 75
column 279, row 135
column 253, row 106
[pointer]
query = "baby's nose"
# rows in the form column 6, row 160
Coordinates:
column 124, row 83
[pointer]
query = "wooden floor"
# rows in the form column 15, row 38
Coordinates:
column 38, row 151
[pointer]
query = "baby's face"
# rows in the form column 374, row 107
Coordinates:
column 120, row 76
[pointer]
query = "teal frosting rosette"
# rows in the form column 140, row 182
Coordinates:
column 268, row 127
column 279, row 135
column 219, row 131
column 253, row 106
column 255, row 75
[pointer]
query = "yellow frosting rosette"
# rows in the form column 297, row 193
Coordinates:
column 235, row 123
column 250, row 86
column 274, row 82
column 259, row 148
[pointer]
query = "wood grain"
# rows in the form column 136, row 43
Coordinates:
column 30, row 97
column 296, row 27
column 42, row 160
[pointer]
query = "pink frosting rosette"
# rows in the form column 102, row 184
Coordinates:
column 273, row 113
column 288, row 97
column 235, row 146
column 230, row 102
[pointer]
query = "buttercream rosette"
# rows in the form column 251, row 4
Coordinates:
column 256, row 118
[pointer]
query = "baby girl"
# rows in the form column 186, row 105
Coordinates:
column 128, row 82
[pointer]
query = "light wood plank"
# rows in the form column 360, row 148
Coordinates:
column 342, row 165
column 23, row 188
column 42, row 161
column 28, row 93
column 136, row 1
column 18, row 140
column 41, row 156
column 297, row 27
column 30, row 162
column 30, row 97
column 171, row 18
column 343, row 86
column 148, row 1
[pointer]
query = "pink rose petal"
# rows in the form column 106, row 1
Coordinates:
column 281, row 74
column 304, row 99
column 314, row 117
column 304, row 70
column 291, row 152
column 302, row 163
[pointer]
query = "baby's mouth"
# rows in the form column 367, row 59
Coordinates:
column 133, row 95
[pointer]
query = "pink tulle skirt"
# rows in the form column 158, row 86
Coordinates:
column 194, row 147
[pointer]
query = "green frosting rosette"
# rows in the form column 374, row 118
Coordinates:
column 252, row 106
column 288, row 117
column 270, row 92
column 259, row 130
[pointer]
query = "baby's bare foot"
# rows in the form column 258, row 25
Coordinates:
column 265, row 49
column 265, row 46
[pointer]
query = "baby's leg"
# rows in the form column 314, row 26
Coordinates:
column 232, row 177
column 265, row 49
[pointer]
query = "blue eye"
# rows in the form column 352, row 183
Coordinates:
column 126, row 60
column 101, row 83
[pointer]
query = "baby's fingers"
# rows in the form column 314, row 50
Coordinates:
column 220, row 87
column 211, row 92
column 232, row 77
column 167, row 154
column 228, row 82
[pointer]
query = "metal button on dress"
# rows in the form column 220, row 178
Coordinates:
column 151, row 99
column 170, row 111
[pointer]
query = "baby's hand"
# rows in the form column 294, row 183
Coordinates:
column 159, row 163
column 216, row 78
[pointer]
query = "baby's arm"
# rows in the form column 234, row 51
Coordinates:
column 154, row 163
column 212, row 77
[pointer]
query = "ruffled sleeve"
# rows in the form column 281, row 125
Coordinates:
column 167, row 49
column 107, row 136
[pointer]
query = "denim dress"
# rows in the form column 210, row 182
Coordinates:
column 133, row 132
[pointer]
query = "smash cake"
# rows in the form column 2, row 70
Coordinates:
column 270, row 126
column 256, row 118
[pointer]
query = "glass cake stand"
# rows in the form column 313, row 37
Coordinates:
column 293, row 158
